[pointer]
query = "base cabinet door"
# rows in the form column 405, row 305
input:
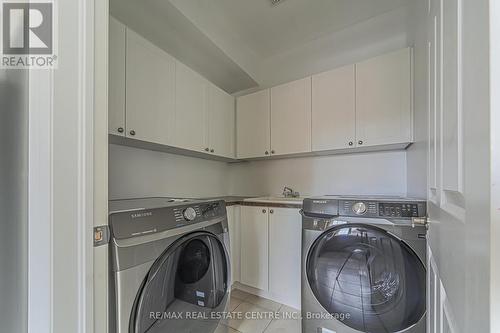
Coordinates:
column 233, row 219
column 285, row 234
column 254, row 247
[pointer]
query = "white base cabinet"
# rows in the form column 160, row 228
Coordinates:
column 233, row 219
column 285, row 239
column 254, row 247
column 271, row 252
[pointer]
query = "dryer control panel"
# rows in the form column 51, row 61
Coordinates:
column 365, row 207
column 385, row 209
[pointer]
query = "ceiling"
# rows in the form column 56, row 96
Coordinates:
column 238, row 43
column 268, row 30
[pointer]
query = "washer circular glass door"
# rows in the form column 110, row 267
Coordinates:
column 367, row 278
column 191, row 275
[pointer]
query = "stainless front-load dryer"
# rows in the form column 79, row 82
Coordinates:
column 170, row 265
column 363, row 265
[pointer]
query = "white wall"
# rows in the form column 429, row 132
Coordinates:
column 367, row 173
column 140, row 173
column 417, row 162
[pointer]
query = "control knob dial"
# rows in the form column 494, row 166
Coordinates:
column 359, row 208
column 189, row 214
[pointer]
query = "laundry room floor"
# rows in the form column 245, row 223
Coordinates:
column 256, row 318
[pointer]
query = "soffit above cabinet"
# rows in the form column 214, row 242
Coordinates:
column 166, row 27
column 242, row 45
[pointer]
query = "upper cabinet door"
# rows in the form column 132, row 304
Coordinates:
column 291, row 117
column 150, row 90
column 191, row 109
column 334, row 109
column 253, row 125
column 116, row 105
column 383, row 99
column 221, row 122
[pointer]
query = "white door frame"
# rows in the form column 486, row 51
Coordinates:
column 495, row 164
column 61, row 113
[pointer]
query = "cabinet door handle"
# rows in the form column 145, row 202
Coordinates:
column 264, row 211
column 271, row 211
column 272, row 151
column 132, row 132
column 120, row 130
column 212, row 150
column 351, row 143
column 360, row 142
column 267, row 153
column 206, row 149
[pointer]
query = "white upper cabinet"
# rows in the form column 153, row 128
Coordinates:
column 334, row 109
column 149, row 91
column 116, row 104
column 383, row 99
column 191, row 92
column 291, row 117
column 253, row 125
column 221, row 122
column 157, row 99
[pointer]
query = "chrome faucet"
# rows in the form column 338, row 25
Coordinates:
column 290, row 193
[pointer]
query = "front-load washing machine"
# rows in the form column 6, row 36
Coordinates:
column 170, row 268
column 363, row 265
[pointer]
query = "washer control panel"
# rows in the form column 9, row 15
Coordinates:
column 140, row 222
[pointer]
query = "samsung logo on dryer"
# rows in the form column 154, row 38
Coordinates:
column 142, row 214
column 319, row 201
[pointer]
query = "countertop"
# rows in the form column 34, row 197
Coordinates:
column 259, row 201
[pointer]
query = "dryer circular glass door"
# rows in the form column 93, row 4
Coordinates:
column 190, row 277
column 368, row 279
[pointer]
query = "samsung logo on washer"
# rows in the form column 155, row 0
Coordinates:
column 319, row 201
column 143, row 214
